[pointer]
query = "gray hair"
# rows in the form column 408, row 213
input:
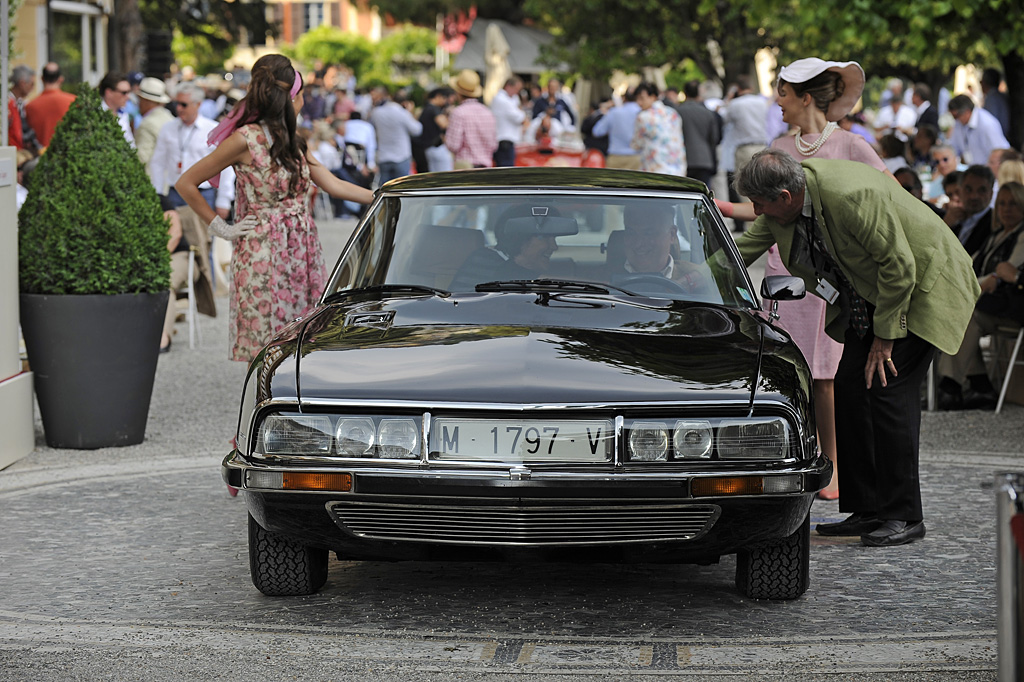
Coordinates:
column 769, row 172
column 22, row 74
column 194, row 92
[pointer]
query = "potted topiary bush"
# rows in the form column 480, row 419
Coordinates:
column 94, row 273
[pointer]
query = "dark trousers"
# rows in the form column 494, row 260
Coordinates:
column 878, row 430
column 702, row 174
column 505, row 154
column 209, row 194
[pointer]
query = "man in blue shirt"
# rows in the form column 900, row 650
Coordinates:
column 618, row 124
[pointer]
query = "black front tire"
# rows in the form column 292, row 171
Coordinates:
column 776, row 570
column 281, row 567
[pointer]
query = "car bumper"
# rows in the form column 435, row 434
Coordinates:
column 550, row 515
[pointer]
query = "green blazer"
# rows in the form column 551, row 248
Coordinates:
column 893, row 249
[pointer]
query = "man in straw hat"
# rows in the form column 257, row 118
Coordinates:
column 472, row 132
column 152, row 105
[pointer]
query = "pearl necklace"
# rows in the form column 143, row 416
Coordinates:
column 810, row 149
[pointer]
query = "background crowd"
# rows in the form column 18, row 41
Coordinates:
column 949, row 150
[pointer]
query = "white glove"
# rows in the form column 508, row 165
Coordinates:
column 241, row 227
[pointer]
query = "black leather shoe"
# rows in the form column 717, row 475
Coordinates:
column 893, row 532
column 856, row 524
column 947, row 401
column 980, row 400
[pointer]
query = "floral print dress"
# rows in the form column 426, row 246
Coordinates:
column 658, row 136
column 277, row 272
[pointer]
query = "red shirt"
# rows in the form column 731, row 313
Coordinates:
column 45, row 112
column 13, row 123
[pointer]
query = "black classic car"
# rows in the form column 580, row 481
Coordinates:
column 533, row 365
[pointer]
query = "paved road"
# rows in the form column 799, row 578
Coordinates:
column 131, row 564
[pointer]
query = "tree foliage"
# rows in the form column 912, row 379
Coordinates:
column 220, row 22
column 92, row 222
column 329, row 45
column 199, row 52
column 918, row 39
column 425, row 12
column 406, row 49
column 12, row 12
column 598, row 36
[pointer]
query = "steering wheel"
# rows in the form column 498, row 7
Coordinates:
column 659, row 283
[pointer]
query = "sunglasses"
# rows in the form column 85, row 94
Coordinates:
column 124, row 92
column 182, row 104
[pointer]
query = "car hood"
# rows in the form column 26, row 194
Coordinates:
column 530, row 349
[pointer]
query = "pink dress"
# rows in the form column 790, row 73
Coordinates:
column 277, row 273
column 805, row 319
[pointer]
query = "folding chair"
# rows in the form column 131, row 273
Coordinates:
column 1015, row 359
column 192, row 311
column 322, row 209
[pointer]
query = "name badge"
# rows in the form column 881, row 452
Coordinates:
column 827, row 291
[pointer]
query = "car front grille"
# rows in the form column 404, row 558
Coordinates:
column 525, row 526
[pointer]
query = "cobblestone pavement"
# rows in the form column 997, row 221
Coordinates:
column 131, row 564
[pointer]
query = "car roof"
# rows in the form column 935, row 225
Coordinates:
column 549, row 177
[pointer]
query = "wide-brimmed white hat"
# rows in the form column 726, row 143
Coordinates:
column 803, row 70
column 467, row 83
column 154, row 90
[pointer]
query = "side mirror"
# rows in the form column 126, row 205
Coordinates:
column 783, row 288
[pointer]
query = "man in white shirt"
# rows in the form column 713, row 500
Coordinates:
column 114, row 90
column 747, row 111
column 359, row 132
column 896, row 118
column 180, row 144
column 976, row 132
column 508, row 118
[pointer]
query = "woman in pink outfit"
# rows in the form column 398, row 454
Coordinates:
column 277, row 269
column 814, row 94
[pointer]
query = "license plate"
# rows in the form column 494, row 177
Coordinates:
column 528, row 440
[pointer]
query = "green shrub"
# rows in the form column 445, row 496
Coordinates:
column 92, row 223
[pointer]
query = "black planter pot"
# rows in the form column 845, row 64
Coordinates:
column 94, row 361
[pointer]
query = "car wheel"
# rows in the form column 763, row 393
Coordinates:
column 281, row 567
column 776, row 570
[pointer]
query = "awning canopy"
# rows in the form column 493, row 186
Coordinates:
column 524, row 44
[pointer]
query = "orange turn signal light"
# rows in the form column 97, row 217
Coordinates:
column 317, row 481
column 727, row 485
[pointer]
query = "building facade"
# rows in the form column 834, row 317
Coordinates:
column 295, row 17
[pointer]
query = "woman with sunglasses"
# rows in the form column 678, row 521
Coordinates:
column 277, row 268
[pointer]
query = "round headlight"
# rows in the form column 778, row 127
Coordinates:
column 648, row 441
column 354, row 437
column 398, row 439
column 692, row 438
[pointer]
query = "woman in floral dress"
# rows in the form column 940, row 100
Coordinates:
column 657, row 134
column 277, row 268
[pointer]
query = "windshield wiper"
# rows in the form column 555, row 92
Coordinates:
column 415, row 289
column 566, row 285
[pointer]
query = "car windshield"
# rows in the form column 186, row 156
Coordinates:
column 656, row 246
